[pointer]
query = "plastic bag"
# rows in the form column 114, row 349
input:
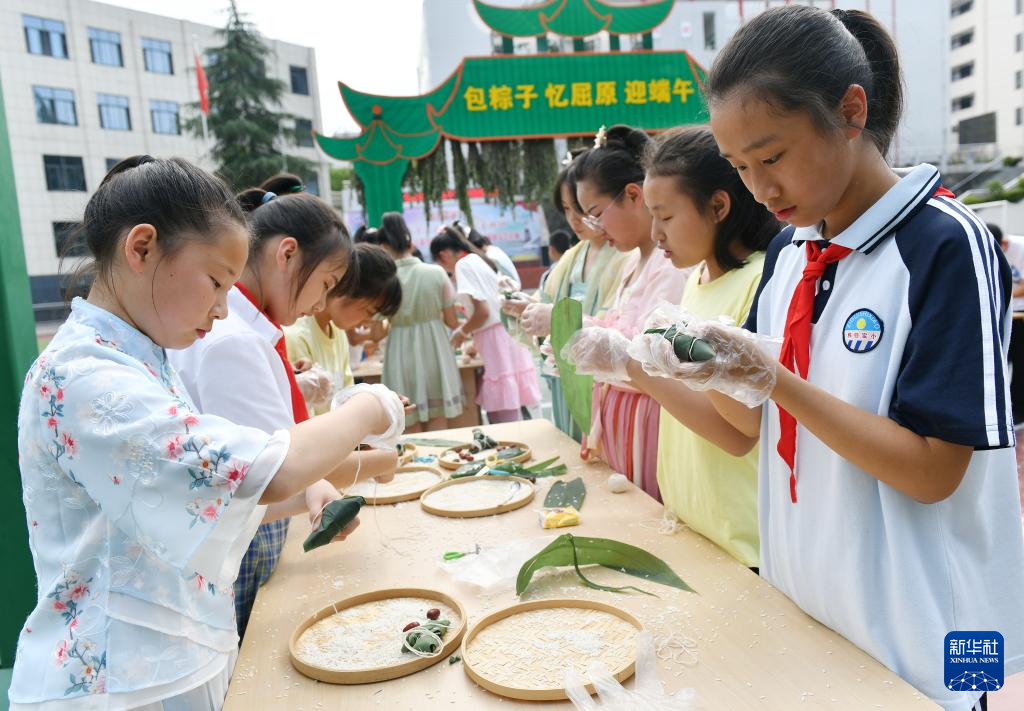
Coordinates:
column 647, row 694
column 495, row 567
column 744, row 366
column 392, row 405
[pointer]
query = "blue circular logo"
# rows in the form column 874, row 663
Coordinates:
column 863, row 331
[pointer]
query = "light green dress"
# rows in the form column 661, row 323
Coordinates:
column 419, row 361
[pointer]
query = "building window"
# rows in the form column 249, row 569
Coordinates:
column 962, row 71
column 300, row 80
column 165, row 117
column 105, row 47
column 961, row 7
column 45, row 36
column 64, row 239
column 963, row 102
column 64, row 173
column 111, row 162
column 1018, row 79
column 304, row 132
column 1018, row 42
column 1018, row 116
column 710, row 42
column 1018, row 7
column 55, row 105
column 114, row 113
column 961, row 39
column 156, row 55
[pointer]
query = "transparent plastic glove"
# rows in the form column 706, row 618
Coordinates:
column 392, row 405
column 744, row 366
column 601, row 352
column 536, row 319
column 648, row 694
column 316, row 386
column 515, row 303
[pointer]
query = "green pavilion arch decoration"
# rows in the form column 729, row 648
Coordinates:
column 505, row 109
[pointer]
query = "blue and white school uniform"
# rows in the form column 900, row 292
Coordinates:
column 139, row 509
column 912, row 325
column 235, row 372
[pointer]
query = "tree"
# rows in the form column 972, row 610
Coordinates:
column 250, row 135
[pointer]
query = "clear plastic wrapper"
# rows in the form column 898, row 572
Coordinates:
column 744, row 366
column 647, row 693
column 600, row 352
column 536, row 319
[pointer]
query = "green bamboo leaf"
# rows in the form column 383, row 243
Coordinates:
column 566, row 320
column 578, row 550
column 564, row 494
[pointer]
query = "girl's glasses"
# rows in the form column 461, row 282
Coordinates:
column 594, row 221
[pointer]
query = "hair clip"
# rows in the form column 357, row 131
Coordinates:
column 298, row 188
column 568, row 158
column 267, row 197
column 601, row 137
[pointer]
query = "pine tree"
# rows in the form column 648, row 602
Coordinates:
column 250, row 135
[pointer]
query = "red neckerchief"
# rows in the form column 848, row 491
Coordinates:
column 299, row 410
column 796, row 338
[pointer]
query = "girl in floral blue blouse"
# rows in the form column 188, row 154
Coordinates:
column 139, row 507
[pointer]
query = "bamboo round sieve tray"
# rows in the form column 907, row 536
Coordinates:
column 516, row 503
column 380, row 673
column 492, row 666
column 524, row 457
column 409, row 452
column 385, row 498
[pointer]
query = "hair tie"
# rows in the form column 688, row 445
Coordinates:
column 267, row 197
column 298, row 188
column 601, row 137
column 568, row 158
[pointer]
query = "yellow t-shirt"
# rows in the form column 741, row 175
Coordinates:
column 713, row 492
column 305, row 339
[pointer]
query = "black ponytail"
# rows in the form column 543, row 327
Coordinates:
column 616, row 163
column 691, row 156
column 394, row 233
column 829, row 52
column 181, row 200
column 314, row 225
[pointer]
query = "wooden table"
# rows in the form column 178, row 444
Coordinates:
column 756, row 649
column 370, row 369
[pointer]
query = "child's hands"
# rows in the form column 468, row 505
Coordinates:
column 742, row 367
column 536, row 319
column 302, row 365
column 318, row 495
column 315, row 385
column 601, row 352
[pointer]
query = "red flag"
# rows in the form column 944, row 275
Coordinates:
column 204, row 98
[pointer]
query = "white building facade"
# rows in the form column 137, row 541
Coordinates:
column 86, row 84
column 702, row 27
column 986, row 78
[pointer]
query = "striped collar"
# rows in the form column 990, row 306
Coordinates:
column 897, row 206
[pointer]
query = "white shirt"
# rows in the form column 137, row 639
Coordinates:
column 1014, row 253
column 139, row 510
column 506, row 267
column 912, row 325
column 235, row 372
column 476, row 279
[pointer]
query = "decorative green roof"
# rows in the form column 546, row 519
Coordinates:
column 574, row 18
column 380, row 144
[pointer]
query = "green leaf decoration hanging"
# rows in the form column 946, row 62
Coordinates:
column 335, row 517
column 572, row 550
column 567, row 319
column 460, row 172
column 566, row 493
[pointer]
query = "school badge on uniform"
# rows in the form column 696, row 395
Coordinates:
column 863, row 331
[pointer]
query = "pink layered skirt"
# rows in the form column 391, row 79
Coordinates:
column 510, row 378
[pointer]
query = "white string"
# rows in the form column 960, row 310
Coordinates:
column 667, row 525
column 677, row 648
column 422, row 629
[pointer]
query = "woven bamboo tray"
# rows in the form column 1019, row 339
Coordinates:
column 386, row 672
column 524, row 457
column 527, row 659
column 367, row 489
column 518, row 501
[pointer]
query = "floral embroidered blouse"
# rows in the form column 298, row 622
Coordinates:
column 139, row 511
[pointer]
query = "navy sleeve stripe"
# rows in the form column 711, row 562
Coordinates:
column 992, row 357
column 771, row 257
column 908, row 210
